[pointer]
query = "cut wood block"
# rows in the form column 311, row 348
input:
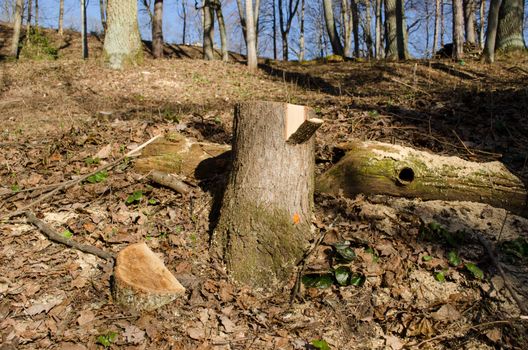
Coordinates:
column 141, row 280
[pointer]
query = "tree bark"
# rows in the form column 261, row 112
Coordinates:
column 16, row 28
column 251, row 37
column 222, row 28
column 264, row 225
column 61, row 18
column 122, row 44
column 301, row 37
column 367, row 31
column 184, row 24
column 36, row 14
column 401, row 31
column 337, row 47
column 482, row 22
column 84, row 34
column 379, row 50
column 285, row 22
column 391, row 43
column 102, row 11
column 157, row 29
column 458, row 30
column 28, row 19
column 510, row 28
column 208, row 30
column 275, row 30
column 381, row 168
column 438, row 8
column 491, row 31
column 469, row 21
column 355, row 26
column 346, row 26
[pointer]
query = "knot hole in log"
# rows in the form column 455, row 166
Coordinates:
column 405, row 176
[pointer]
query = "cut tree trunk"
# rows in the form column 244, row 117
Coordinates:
column 141, row 280
column 265, row 219
column 380, row 168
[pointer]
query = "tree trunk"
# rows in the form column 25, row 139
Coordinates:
column 469, row 21
column 401, row 31
column 16, row 28
column 482, row 22
column 264, row 225
column 355, row 26
column 28, row 19
column 438, row 16
column 301, row 38
column 458, row 30
column 223, row 31
column 368, row 34
column 391, row 43
column 285, row 53
column 184, row 14
column 346, row 26
column 122, row 44
column 337, row 47
column 251, row 37
column 510, row 29
column 61, row 18
column 241, row 13
column 36, row 14
column 379, row 50
column 381, row 168
column 102, row 11
column 442, row 24
column 84, row 34
column 208, row 30
column 275, row 30
column 491, row 32
column 157, row 29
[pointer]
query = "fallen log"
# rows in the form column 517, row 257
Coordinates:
column 380, row 168
column 141, row 280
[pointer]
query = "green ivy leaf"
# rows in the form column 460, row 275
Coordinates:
column 67, row 234
column 427, row 258
column 357, row 280
column 15, row 188
column 344, row 251
column 153, row 201
column 372, row 252
column 318, row 281
column 100, row 176
column 134, row 197
column 320, row 344
column 107, row 339
column 453, row 258
column 477, row 273
column 440, row 277
column 342, row 273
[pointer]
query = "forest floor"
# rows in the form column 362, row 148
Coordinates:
column 64, row 118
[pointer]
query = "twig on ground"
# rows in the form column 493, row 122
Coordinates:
column 498, row 265
column 410, row 86
column 52, row 235
column 462, row 142
column 70, row 183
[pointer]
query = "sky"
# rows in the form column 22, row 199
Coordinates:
column 172, row 24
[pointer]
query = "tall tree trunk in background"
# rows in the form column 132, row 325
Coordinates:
column 391, row 43
column 438, row 8
column 256, row 21
column 184, row 15
column 491, row 32
column 301, row 38
column 19, row 8
column 122, row 44
column 208, row 30
column 61, row 18
column 401, row 31
column 36, row 14
column 251, row 37
column 275, row 30
column 222, row 29
column 28, row 18
column 482, row 22
column 442, row 24
column 346, row 26
column 337, row 47
column 469, row 21
column 510, row 29
column 368, row 34
column 102, row 11
column 241, row 13
column 84, row 34
column 157, row 29
column 458, row 30
column 285, row 22
column 379, row 51
column 355, row 26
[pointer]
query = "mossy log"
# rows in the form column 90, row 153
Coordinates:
column 177, row 154
column 380, row 168
column 141, row 280
column 265, row 218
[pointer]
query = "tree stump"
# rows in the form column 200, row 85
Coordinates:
column 141, row 280
column 265, row 218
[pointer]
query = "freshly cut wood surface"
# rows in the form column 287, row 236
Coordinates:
column 141, row 280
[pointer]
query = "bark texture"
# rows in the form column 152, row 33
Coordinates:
column 265, row 218
column 84, row 33
column 438, row 7
column 378, row 34
column 510, row 28
column 251, row 36
column 222, row 28
column 469, row 21
column 61, row 18
column 208, row 30
column 122, row 44
column 337, row 47
column 16, row 28
column 157, row 29
column 491, row 31
column 391, row 34
column 458, row 30
column 381, row 168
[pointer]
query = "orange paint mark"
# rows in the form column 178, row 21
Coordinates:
column 296, row 219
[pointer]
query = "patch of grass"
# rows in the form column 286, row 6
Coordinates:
column 38, row 47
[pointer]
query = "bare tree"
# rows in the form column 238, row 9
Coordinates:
column 491, row 32
column 346, row 26
column 458, row 30
column 28, row 18
column 510, row 28
column 378, row 34
column 84, row 34
column 102, row 11
column 274, row 29
column 157, row 29
column 331, row 29
column 61, row 18
column 184, row 20
column 391, row 43
column 208, row 30
column 16, row 28
column 355, row 26
column 481, row 22
column 222, row 28
column 285, row 22
column 251, row 36
column 438, row 9
column 469, row 21
column 301, row 38
column 366, row 28
column 36, row 14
